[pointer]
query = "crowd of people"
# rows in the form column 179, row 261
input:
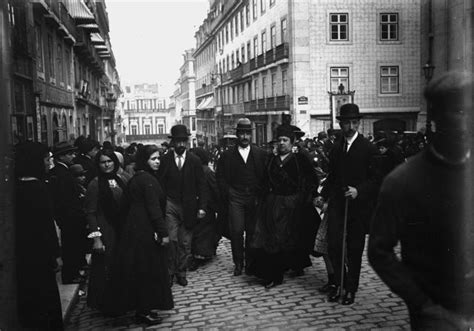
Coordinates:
column 147, row 215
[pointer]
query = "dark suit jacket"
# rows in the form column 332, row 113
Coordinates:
column 67, row 205
column 195, row 193
column 226, row 169
column 355, row 168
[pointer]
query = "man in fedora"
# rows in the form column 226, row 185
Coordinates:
column 183, row 181
column 240, row 175
column 68, row 212
column 352, row 176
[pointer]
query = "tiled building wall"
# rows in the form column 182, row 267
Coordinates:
column 314, row 54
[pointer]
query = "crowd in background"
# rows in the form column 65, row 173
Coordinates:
column 134, row 220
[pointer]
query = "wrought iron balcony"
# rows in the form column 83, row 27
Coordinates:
column 282, row 51
column 236, row 108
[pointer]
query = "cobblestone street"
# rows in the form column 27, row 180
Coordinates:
column 215, row 299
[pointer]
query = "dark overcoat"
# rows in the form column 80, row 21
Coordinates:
column 355, row 168
column 195, row 193
column 39, row 305
column 140, row 279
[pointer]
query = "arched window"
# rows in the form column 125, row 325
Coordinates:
column 44, row 129
column 64, row 127
column 55, row 129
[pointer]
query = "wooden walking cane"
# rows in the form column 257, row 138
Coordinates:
column 343, row 255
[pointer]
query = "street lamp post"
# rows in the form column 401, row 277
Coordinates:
column 428, row 69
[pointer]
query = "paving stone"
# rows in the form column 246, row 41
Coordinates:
column 216, row 300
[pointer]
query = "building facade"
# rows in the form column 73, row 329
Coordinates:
column 146, row 118
column 306, row 58
column 64, row 78
column 447, row 39
column 185, row 94
column 206, row 78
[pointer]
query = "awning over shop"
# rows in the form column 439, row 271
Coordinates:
column 206, row 103
column 101, row 48
column 97, row 39
column 92, row 27
column 211, row 104
column 79, row 11
column 203, row 101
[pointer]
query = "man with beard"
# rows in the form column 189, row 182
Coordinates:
column 182, row 177
column 425, row 205
column 352, row 177
column 240, row 174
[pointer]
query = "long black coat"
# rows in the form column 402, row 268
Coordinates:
column 195, row 193
column 206, row 233
column 67, row 206
column 355, row 168
column 39, row 306
column 140, row 277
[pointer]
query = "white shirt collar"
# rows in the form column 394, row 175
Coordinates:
column 244, row 152
column 183, row 156
column 351, row 140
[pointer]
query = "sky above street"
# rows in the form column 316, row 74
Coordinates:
column 149, row 37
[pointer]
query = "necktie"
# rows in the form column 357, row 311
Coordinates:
column 346, row 145
column 180, row 162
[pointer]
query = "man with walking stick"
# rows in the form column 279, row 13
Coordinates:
column 349, row 191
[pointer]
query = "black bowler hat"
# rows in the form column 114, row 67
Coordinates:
column 62, row 148
column 179, row 131
column 349, row 111
column 243, row 124
column 286, row 131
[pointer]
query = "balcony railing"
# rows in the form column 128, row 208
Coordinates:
column 247, row 106
column 261, row 60
column 237, row 72
column 137, row 137
column 67, row 20
column 53, row 6
column 204, row 90
column 281, row 102
column 282, row 51
column 233, row 109
column 253, row 64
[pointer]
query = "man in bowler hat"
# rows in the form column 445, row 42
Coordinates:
column 68, row 212
column 240, row 175
column 426, row 205
column 352, row 176
column 183, row 181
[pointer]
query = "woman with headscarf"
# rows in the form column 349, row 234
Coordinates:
column 281, row 230
column 39, row 305
column 104, row 204
column 141, row 273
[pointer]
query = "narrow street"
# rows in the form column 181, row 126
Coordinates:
column 214, row 299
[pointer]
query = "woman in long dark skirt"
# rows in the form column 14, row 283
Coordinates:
column 282, row 228
column 206, row 234
column 105, row 203
column 37, row 249
column 141, row 273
